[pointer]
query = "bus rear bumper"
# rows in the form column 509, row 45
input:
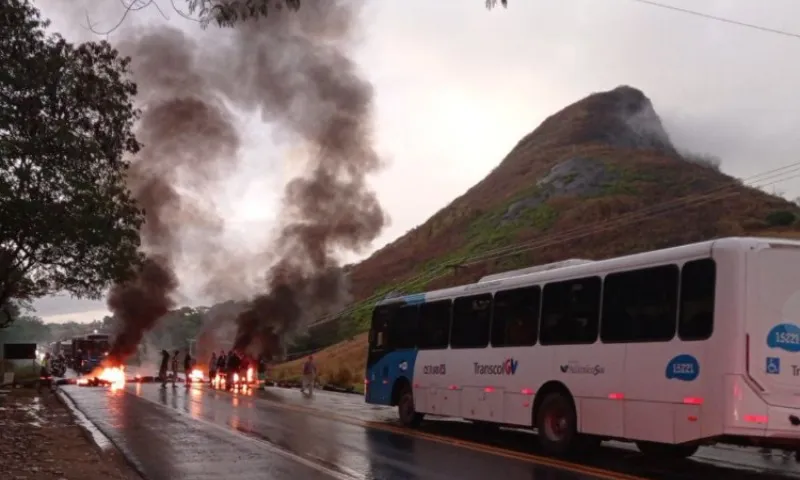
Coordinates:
column 782, row 422
column 750, row 416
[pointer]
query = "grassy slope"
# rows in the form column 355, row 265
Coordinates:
column 472, row 223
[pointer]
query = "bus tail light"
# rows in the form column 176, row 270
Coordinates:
column 756, row 418
column 693, row 401
column 616, row 396
column 453, row 387
column 527, row 391
column 488, row 389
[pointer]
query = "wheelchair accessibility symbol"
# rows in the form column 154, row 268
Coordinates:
column 773, row 365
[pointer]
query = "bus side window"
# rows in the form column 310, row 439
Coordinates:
column 570, row 312
column 404, row 328
column 434, row 325
column 640, row 305
column 471, row 318
column 698, row 285
column 516, row 317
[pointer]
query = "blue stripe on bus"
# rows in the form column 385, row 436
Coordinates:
column 385, row 372
column 415, row 299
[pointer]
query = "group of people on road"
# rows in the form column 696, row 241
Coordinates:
column 224, row 366
column 173, row 362
column 235, row 362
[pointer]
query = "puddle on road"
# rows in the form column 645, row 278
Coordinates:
column 35, row 411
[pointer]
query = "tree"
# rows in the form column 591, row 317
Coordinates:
column 26, row 329
column 224, row 13
column 228, row 12
column 67, row 220
column 490, row 4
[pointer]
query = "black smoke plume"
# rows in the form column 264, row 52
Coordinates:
column 189, row 140
column 300, row 72
column 295, row 69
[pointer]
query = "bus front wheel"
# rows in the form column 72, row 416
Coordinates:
column 667, row 451
column 405, row 408
column 557, row 424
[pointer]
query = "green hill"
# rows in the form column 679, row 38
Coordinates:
column 600, row 178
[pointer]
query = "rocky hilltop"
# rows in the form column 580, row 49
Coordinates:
column 590, row 182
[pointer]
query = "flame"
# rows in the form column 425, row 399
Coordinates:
column 113, row 375
column 235, row 378
column 250, row 375
column 197, row 375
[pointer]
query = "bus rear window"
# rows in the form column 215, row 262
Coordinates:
column 698, row 284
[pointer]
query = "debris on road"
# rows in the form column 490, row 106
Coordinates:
column 39, row 440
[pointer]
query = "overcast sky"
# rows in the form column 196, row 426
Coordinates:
column 457, row 86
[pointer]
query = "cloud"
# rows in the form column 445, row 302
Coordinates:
column 457, row 86
column 80, row 317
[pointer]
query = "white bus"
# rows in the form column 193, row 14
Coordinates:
column 670, row 349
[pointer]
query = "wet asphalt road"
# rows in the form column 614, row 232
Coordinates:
column 199, row 433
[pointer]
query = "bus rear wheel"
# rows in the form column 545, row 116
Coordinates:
column 405, row 409
column 557, row 424
column 666, row 451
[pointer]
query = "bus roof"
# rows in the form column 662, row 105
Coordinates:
column 534, row 269
column 578, row 267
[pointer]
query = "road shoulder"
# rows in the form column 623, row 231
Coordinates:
column 41, row 440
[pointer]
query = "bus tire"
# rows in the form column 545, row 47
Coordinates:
column 666, row 451
column 557, row 424
column 406, row 411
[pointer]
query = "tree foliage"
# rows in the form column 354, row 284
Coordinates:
column 225, row 13
column 67, row 221
column 490, row 4
column 26, row 329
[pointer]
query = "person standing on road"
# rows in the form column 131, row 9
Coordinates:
column 232, row 368
column 162, row 370
column 309, row 374
column 221, row 365
column 187, row 368
column 262, row 371
column 175, row 367
column 212, row 367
